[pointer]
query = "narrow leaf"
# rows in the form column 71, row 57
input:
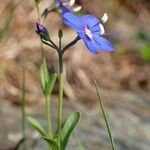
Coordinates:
column 68, row 127
column 105, row 117
column 37, row 126
column 44, row 75
column 51, row 82
column 51, row 142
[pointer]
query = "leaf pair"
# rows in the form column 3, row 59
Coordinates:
column 66, row 130
column 48, row 81
column 38, row 127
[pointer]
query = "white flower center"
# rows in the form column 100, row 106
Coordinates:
column 88, row 33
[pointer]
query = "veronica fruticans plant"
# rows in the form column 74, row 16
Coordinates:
column 91, row 31
column 64, row 129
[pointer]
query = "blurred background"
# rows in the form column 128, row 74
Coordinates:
column 123, row 76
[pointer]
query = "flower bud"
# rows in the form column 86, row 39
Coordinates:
column 42, row 31
column 60, row 34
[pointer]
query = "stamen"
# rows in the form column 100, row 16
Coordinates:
column 88, row 33
column 76, row 9
column 102, row 30
column 104, row 18
column 72, row 2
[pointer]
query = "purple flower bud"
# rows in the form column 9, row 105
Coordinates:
column 42, row 31
column 40, row 28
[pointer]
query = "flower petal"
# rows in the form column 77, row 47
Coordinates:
column 90, row 44
column 92, row 22
column 73, row 21
column 40, row 28
column 59, row 2
column 64, row 9
column 103, row 44
column 92, row 47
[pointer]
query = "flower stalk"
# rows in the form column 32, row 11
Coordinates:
column 48, row 116
column 60, row 96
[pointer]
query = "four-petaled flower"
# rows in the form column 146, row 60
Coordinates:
column 67, row 6
column 90, row 30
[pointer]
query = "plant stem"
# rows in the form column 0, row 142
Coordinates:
column 23, row 115
column 47, row 97
column 71, row 44
column 48, row 120
column 50, row 45
column 105, row 117
column 49, row 131
column 60, row 98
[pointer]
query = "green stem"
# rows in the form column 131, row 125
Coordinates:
column 71, row 44
column 48, row 120
column 105, row 117
column 50, row 45
column 47, row 97
column 60, row 98
column 49, row 131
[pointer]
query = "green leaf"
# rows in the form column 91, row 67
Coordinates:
column 37, row 126
column 37, row 2
column 67, row 128
column 105, row 117
column 44, row 75
column 51, row 83
column 51, row 142
column 48, row 81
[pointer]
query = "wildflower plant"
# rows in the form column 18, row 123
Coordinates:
column 91, row 30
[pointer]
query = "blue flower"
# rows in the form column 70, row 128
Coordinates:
column 67, row 6
column 90, row 30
